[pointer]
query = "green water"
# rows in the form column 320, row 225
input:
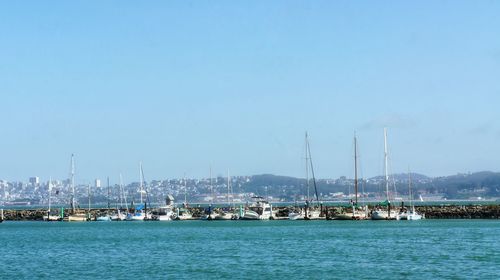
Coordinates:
column 428, row 249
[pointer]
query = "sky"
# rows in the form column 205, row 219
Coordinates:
column 234, row 85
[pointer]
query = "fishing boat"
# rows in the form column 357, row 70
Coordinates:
column 310, row 211
column 355, row 214
column 261, row 210
column 379, row 213
column 165, row 212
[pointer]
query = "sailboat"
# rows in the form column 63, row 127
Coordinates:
column 379, row 213
column 74, row 216
column 355, row 214
column 107, row 216
column 140, row 213
column 309, row 213
column 183, row 213
column 209, row 214
column 50, row 217
column 227, row 215
column 119, row 216
column 410, row 214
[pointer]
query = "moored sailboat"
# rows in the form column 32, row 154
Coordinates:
column 74, row 216
column 310, row 211
column 50, row 217
column 355, row 214
column 380, row 213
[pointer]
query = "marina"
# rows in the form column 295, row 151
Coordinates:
column 251, row 212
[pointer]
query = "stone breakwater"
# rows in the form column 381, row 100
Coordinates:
column 430, row 212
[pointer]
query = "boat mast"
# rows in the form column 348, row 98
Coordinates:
column 355, row 169
column 50, row 190
column 142, row 180
column 89, row 199
column 410, row 196
column 228, row 202
column 385, row 165
column 211, row 186
column 307, row 167
column 312, row 172
column 123, row 195
column 72, row 183
column 108, row 193
column 185, row 190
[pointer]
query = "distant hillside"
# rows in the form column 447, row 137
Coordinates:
column 481, row 184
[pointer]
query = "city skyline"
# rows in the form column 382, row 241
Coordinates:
column 184, row 87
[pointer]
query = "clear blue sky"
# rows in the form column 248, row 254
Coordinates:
column 182, row 85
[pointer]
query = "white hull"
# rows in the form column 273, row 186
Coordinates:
column 224, row 216
column 351, row 216
column 137, row 217
column 77, row 218
column 165, row 214
column 52, row 218
column 313, row 215
column 414, row 216
column 295, row 216
column 104, row 219
column 383, row 215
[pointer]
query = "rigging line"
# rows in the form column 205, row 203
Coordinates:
column 312, row 172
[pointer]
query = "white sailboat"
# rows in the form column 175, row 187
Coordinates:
column 74, row 216
column 309, row 213
column 119, row 216
column 107, row 216
column 50, row 217
column 228, row 214
column 379, row 213
column 356, row 214
column 140, row 214
column 410, row 214
column 183, row 213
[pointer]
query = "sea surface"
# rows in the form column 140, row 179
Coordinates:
column 427, row 249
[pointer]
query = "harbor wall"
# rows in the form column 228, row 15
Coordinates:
column 430, row 212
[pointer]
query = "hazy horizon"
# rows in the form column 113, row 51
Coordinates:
column 182, row 86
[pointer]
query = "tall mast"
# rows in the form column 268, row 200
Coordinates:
column 228, row 202
column 108, row 192
column 185, row 190
column 50, row 190
column 89, row 197
column 409, row 186
column 307, row 166
column 142, row 180
column 211, row 186
column 312, row 173
column 122, row 189
column 356, row 168
column 385, row 165
column 72, row 183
